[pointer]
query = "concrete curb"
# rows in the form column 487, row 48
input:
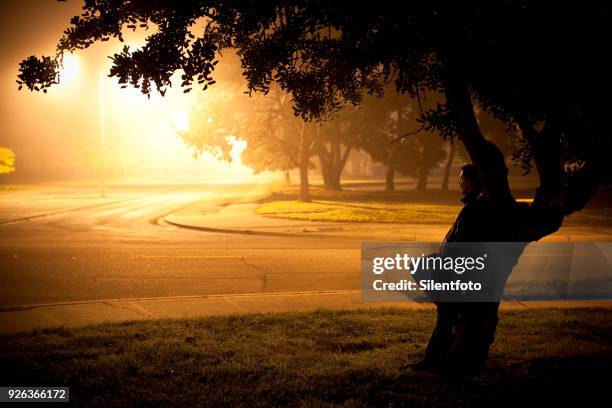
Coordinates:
column 77, row 314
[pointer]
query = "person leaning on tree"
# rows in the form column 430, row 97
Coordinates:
column 464, row 331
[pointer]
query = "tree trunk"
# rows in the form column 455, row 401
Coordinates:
column 332, row 164
column 546, row 213
column 304, row 162
column 287, row 178
column 447, row 167
column 485, row 155
column 422, row 178
column 325, row 168
column 390, row 174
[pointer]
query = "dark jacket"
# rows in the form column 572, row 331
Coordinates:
column 474, row 222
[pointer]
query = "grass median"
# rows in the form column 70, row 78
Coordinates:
column 401, row 207
column 320, row 358
column 366, row 207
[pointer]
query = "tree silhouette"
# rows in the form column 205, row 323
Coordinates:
column 392, row 135
column 537, row 66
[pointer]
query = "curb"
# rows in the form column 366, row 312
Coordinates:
column 243, row 232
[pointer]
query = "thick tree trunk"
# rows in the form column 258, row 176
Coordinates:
column 485, row 155
column 390, row 174
column 327, row 172
column 304, row 164
column 447, row 167
column 304, row 187
column 546, row 213
column 332, row 164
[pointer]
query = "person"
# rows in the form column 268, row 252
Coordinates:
column 464, row 331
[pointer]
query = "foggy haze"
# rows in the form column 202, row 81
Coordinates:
column 56, row 136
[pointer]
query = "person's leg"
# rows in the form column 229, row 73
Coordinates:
column 475, row 334
column 442, row 338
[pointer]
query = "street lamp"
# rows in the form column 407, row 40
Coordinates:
column 101, row 119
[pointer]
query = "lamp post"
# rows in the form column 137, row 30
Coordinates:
column 101, row 120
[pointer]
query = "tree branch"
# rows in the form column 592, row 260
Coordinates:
column 485, row 155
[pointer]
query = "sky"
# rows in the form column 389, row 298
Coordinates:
column 56, row 136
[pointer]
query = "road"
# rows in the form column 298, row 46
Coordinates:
column 65, row 244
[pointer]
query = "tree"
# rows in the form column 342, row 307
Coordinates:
column 7, row 160
column 272, row 133
column 344, row 130
column 452, row 149
column 550, row 77
column 276, row 139
column 392, row 135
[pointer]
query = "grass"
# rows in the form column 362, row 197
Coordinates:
column 321, row 358
column 402, row 207
column 354, row 211
column 359, row 206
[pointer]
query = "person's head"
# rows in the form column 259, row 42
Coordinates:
column 469, row 181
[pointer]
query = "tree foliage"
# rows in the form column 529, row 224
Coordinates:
column 539, row 66
column 7, row 160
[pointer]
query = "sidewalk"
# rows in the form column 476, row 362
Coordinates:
column 74, row 314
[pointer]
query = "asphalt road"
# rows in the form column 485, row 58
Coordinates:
column 66, row 244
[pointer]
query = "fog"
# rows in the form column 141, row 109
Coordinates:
column 56, row 136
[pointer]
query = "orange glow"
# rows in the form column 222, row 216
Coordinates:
column 141, row 142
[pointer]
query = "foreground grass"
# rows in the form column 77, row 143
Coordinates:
column 322, row 358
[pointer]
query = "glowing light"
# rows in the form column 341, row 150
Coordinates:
column 180, row 121
column 70, row 68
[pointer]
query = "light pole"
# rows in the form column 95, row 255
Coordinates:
column 101, row 119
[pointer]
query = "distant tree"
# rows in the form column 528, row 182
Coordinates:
column 276, row 138
column 430, row 154
column 212, row 123
column 272, row 133
column 392, row 135
column 548, row 76
column 335, row 139
column 452, row 151
column 7, row 160
column 373, row 126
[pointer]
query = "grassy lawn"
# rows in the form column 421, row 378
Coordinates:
column 321, row 358
column 355, row 211
column 357, row 206
column 408, row 207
